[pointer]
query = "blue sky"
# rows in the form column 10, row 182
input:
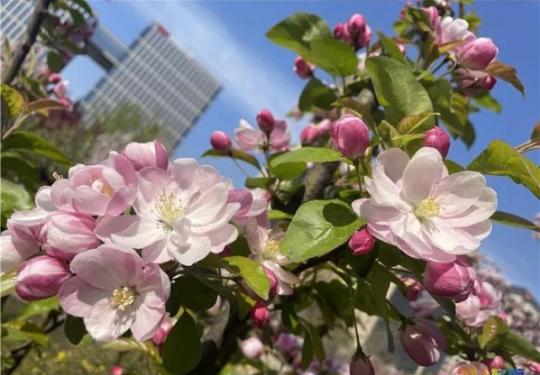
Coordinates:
column 228, row 38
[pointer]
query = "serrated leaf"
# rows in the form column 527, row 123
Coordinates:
column 397, row 89
column 236, row 154
column 319, row 227
column 500, row 159
column 513, row 220
column 506, row 73
column 182, row 350
column 252, row 272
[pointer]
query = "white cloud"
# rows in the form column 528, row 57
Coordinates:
column 249, row 82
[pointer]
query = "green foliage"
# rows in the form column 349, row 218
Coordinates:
column 334, row 56
column 307, row 155
column 23, row 141
column 506, row 73
column 500, row 159
column 316, row 95
column 13, row 197
column 319, row 227
column 74, row 329
column 397, row 89
column 390, row 48
column 191, row 293
column 252, row 273
column 514, row 221
column 488, row 101
column 182, row 350
column 235, row 154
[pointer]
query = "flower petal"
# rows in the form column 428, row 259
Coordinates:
column 422, row 173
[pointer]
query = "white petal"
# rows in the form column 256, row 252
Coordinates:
column 481, row 210
column 221, row 237
column 422, row 173
column 457, row 192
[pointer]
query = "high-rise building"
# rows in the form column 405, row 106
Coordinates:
column 154, row 74
column 14, row 18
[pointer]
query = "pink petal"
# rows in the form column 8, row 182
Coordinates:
column 77, row 297
column 422, row 173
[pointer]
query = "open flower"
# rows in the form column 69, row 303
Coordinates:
column 265, row 248
column 102, row 189
column 114, row 290
column 250, row 139
column 451, row 30
column 480, row 305
column 428, row 214
column 181, row 214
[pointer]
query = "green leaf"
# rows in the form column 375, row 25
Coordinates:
column 259, row 182
column 380, row 282
column 296, row 32
column 334, row 56
column 316, row 95
column 21, row 167
column 7, row 282
column 35, row 144
column 506, row 73
column 12, row 101
column 315, row 338
column 520, row 346
column 489, row 102
column 307, row 155
column 513, row 220
column 26, row 331
column 416, row 123
column 452, row 166
column 41, row 307
column 492, row 327
column 397, row 89
column 182, row 350
column 55, row 61
column 288, row 171
column 500, row 159
column 279, row 215
column 319, row 227
column 252, row 272
column 535, row 134
column 191, row 293
column 390, row 48
column 236, row 154
column 13, row 197
column 74, row 329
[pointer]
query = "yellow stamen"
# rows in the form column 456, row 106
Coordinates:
column 168, row 208
column 122, row 298
column 427, row 208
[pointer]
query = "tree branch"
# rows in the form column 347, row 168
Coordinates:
column 36, row 20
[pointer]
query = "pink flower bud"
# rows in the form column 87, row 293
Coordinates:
column 117, row 370
column 453, row 280
column 474, row 83
column 362, row 39
column 265, row 120
column 260, row 314
column 273, row 281
column 220, row 141
column 309, row 134
column 414, row 288
column 495, row 362
column 433, row 15
column 54, row 78
column 423, row 342
column 303, row 68
column 150, row 154
column 341, row 32
column 66, row 103
column 252, row 347
column 438, row 139
column 287, row 343
column 476, row 368
column 41, row 277
column 60, row 89
column 361, row 242
column 350, row 136
column 356, row 25
column 162, row 332
column 361, row 366
column 534, row 367
column 477, row 53
column 70, row 233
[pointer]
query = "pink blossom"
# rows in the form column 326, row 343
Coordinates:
column 260, row 314
column 117, row 370
column 266, row 121
column 479, row 306
column 114, row 290
column 302, row 68
column 53, row 78
column 470, row 368
column 14, row 251
column 350, row 136
column 251, row 139
column 103, row 189
column 163, row 331
column 70, row 233
column 451, row 30
column 433, row 15
column 252, row 347
column 474, row 83
column 220, row 141
column 438, row 139
column 423, row 342
column 181, row 214
column 41, row 277
column 341, row 32
column 477, row 53
column 495, row 362
column 28, row 226
column 453, row 280
column 287, row 343
column 253, row 204
column 150, row 154
column 428, row 214
column 413, row 288
column 362, row 242
column 60, row 89
column 309, row 134
column 265, row 248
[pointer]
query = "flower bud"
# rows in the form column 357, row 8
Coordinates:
column 41, row 277
column 272, row 278
column 150, row 154
column 362, row 39
column 361, row 242
column 423, row 342
column 260, row 314
column 453, row 280
column 476, row 54
column 70, row 233
column 495, row 362
column 220, row 141
column 476, row 368
column 361, row 366
column 54, row 78
column 341, row 32
column 433, row 15
column 162, row 332
column 265, row 120
column 474, row 83
column 350, row 136
column 357, row 24
column 303, row 68
column 534, row 367
column 252, row 347
column 287, row 343
column 117, row 370
column 438, row 139
column 414, row 288
column 60, row 89
column 309, row 134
